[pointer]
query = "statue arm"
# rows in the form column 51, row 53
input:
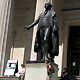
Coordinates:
column 33, row 24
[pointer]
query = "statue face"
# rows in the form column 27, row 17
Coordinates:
column 48, row 6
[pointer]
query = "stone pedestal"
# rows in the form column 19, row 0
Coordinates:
column 35, row 71
column 38, row 71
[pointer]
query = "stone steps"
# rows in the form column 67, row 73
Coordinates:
column 9, row 78
column 72, row 78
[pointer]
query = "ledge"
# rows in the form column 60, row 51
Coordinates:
column 30, row 62
column 9, row 78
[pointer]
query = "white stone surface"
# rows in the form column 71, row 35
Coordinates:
column 38, row 71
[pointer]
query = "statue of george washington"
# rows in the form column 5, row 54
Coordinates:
column 47, row 37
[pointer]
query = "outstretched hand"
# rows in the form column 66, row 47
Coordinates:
column 26, row 27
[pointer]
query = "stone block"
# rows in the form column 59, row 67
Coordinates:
column 35, row 71
column 38, row 71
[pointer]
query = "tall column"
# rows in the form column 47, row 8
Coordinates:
column 39, row 9
column 5, row 7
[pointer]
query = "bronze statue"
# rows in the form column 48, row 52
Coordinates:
column 47, row 38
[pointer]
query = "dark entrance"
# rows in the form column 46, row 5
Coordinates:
column 73, row 58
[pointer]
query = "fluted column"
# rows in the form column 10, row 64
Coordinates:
column 5, row 7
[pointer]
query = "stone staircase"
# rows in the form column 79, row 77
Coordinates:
column 72, row 78
column 16, row 78
column 9, row 78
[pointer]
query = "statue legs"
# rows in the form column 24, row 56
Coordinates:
column 45, row 35
column 39, row 55
column 44, row 45
column 45, row 51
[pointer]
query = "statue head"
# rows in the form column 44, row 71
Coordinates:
column 48, row 5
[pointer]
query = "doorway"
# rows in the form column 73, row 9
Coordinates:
column 73, row 55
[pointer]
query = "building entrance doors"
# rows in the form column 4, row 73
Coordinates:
column 73, row 57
